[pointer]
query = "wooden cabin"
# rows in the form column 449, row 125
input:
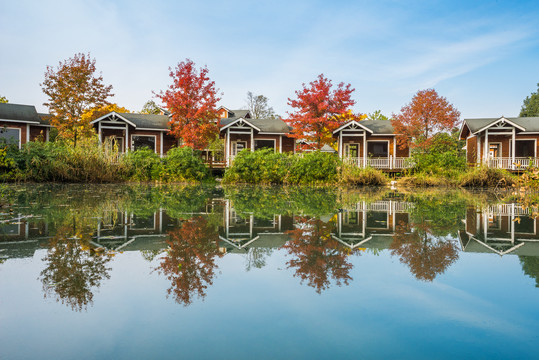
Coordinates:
column 505, row 143
column 371, row 143
column 240, row 132
column 22, row 123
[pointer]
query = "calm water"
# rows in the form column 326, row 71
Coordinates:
column 128, row 272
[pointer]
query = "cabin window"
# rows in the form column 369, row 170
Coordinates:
column 377, row 220
column 525, row 225
column 143, row 141
column 525, row 148
column 264, row 144
column 351, row 150
column 238, row 146
column 378, row 149
column 11, row 136
column 142, row 222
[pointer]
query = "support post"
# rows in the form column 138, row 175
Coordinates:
column 487, row 149
column 364, row 149
column 127, row 142
column 228, row 147
column 513, row 150
column 280, row 143
column 161, row 144
column 252, row 140
column 340, row 145
column 99, row 131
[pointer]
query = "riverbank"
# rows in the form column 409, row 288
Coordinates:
column 89, row 162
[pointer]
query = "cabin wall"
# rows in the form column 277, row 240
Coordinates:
column 400, row 152
column 471, row 150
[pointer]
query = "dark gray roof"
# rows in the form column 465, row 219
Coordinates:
column 18, row 112
column 146, row 121
column 528, row 123
column 378, row 126
column 44, row 119
column 273, row 125
column 236, row 114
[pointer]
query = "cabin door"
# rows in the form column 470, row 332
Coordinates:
column 351, row 150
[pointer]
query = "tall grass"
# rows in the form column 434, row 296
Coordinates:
column 91, row 162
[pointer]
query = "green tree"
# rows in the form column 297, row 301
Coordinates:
column 258, row 106
column 3, row 100
column 150, row 107
column 530, row 106
column 377, row 115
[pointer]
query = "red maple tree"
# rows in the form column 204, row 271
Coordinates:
column 318, row 107
column 316, row 257
column 191, row 259
column 192, row 100
column 426, row 115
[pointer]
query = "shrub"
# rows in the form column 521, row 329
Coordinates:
column 368, row 176
column 314, row 168
column 487, row 177
column 259, row 167
column 144, row 165
column 183, row 164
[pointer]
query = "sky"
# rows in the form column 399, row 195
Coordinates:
column 483, row 56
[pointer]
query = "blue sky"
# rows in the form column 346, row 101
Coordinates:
column 482, row 55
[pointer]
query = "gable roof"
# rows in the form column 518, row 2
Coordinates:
column 269, row 125
column 375, row 127
column 350, row 123
column 20, row 113
column 144, row 121
column 528, row 124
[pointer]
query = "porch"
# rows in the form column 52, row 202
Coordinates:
column 384, row 163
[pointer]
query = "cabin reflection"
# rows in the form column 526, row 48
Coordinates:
column 123, row 231
column 371, row 225
column 241, row 231
column 501, row 229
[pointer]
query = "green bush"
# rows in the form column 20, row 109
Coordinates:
column 183, row 164
column 259, row 167
column 144, row 165
column 314, row 168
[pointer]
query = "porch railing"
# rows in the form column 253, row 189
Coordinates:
column 509, row 164
column 381, row 163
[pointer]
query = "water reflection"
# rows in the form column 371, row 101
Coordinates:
column 184, row 231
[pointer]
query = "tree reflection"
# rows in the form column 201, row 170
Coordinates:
column 425, row 254
column 190, row 260
column 73, row 270
column 317, row 258
column 530, row 266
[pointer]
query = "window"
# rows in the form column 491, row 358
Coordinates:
column 264, row 144
column 351, row 150
column 495, row 150
column 377, row 220
column 525, row 148
column 142, row 141
column 377, row 149
column 10, row 136
column 238, row 146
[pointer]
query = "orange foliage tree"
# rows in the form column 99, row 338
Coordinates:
column 190, row 260
column 95, row 113
column 426, row 115
column 317, row 109
column 317, row 258
column 192, row 100
column 424, row 253
column 73, row 88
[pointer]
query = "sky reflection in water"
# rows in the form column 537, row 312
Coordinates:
column 203, row 272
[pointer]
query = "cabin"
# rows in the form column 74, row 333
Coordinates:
column 240, row 132
column 500, row 229
column 505, row 143
column 131, row 131
column 371, row 143
column 22, row 123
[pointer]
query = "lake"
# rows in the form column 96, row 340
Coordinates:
column 205, row 272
